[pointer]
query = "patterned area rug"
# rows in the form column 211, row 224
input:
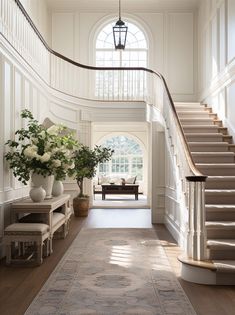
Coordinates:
column 113, row 272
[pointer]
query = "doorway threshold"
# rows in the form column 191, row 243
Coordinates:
column 120, row 202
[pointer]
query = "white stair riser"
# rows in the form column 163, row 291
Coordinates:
column 183, row 108
column 213, row 159
column 223, row 215
column 196, row 122
column 188, row 104
column 216, row 171
column 189, row 107
column 221, row 183
column 197, row 147
column 190, row 115
column 204, row 138
column 221, row 254
column 221, row 233
column 220, row 198
column 201, row 129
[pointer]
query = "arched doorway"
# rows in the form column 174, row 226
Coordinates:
column 128, row 162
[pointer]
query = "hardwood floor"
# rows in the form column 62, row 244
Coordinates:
column 19, row 285
column 206, row 299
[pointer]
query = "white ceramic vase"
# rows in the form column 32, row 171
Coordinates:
column 58, row 188
column 46, row 183
column 37, row 194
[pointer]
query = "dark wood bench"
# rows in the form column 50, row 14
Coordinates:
column 128, row 189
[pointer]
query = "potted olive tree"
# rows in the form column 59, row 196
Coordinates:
column 86, row 161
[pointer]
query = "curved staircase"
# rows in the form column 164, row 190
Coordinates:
column 213, row 153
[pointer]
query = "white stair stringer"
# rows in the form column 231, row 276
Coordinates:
column 213, row 155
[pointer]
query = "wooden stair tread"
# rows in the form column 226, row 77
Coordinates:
column 195, row 118
column 195, row 112
column 220, row 224
column 219, row 153
column 207, row 264
column 222, row 244
column 203, row 126
column 208, row 143
column 220, row 190
column 204, row 134
column 227, row 266
column 219, row 165
column 222, row 177
column 219, row 207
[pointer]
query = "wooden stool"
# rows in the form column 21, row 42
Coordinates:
column 26, row 232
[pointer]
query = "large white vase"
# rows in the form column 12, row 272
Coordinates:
column 46, row 183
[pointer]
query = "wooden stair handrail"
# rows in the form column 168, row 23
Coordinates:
column 197, row 174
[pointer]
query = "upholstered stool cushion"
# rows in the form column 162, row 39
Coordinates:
column 26, row 228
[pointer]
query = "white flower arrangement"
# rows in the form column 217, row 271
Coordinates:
column 40, row 150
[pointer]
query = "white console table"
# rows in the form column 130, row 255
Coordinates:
column 46, row 208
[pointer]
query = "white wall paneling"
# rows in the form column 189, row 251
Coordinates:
column 172, row 41
column 158, row 172
column 40, row 14
column 181, row 53
column 214, row 46
column 231, row 30
column 217, row 64
column 230, row 113
column 222, row 36
column 63, row 33
column 8, row 113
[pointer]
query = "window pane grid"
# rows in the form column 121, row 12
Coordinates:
column 123, row 85
column 127, row 159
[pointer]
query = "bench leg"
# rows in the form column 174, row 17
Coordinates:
column 39, row 254
column 50, row 245
column 46, row 248
column 8, row 254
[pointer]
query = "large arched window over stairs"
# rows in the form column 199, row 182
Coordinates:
column 134, row 55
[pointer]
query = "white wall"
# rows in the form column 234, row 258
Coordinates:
column 18, row 92
column 172, row 42
column 217, row 58
column 40, row 14
column 20, row 88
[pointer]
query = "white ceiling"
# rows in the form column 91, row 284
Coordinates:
column 128, row 5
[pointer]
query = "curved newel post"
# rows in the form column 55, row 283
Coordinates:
column 196, row 238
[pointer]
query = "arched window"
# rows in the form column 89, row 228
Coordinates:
column 126, row 160
column 134, row 55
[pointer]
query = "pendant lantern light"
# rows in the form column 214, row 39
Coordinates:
column 120, row 32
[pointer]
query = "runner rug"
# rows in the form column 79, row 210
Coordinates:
column 113, row 272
